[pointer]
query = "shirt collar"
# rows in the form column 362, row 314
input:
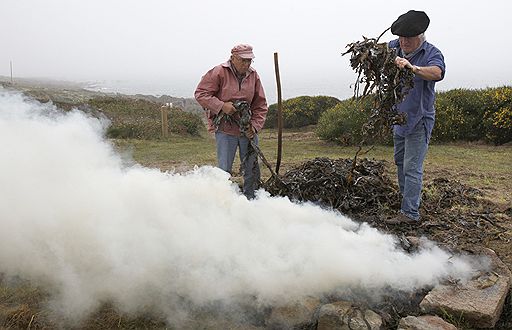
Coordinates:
column 227, row 64
column 411, row 55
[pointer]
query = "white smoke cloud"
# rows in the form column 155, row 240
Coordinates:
column 74, row 217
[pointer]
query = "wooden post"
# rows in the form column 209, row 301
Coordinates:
column 11, row 72
column 165, row 121
column 279, row 115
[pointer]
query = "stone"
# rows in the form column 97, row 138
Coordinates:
column 344, row 315
column 212, row 323
column 293, row 316
column 479, row 302
column 424, row 322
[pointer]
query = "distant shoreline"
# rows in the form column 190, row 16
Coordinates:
column 124, row 87
column 80, row 92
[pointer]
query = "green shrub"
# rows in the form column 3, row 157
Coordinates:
column 141, row 119
column 119, row 108
column 459, row 114
column 181, row 122
column 469, row 115
column 449, row 120
column 497, row 118
column 126, row 132
column 300, row 111
column 344, row 122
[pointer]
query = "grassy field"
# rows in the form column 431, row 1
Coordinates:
column 485, row 167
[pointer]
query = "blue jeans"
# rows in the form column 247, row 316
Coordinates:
column 226, row 150
column 410, row 152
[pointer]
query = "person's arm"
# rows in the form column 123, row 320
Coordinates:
column 207, row 90
column 425, row 72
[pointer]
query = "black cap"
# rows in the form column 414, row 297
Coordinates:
column 410, row 24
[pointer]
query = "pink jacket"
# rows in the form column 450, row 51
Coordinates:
column 220, row 85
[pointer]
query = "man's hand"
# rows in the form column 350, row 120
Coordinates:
column 250, row 132
column 424, row 72
column 228, row 108
column 403, row 63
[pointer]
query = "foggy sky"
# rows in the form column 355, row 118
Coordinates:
column 166, row 46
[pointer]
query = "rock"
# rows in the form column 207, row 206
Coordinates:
column 214, row 323
column 424, row 322
column 479, row 301
column 298, row 315
column 347, row 315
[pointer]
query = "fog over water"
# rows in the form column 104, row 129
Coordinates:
column 91, row 227
column 164, row 47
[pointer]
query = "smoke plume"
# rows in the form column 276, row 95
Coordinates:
column 75, row 217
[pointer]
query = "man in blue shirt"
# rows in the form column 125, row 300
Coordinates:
column 411, row 139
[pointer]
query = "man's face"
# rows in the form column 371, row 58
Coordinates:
column 409, row 44
column 241, row 64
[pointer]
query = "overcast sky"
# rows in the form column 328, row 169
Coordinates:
column 157, row 46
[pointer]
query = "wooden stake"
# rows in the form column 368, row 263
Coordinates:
column 279, row 115
column 165, row 121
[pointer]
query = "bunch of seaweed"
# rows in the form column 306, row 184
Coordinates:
column 382, row 79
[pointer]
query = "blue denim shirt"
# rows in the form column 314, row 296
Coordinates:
column 419, row 102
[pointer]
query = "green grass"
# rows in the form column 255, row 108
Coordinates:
column 485, row 167
column 175, row 150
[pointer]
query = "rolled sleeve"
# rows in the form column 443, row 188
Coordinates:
column 437, row 59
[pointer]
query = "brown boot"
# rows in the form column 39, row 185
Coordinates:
column 401, row 219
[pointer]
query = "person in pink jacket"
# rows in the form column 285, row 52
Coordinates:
column 218, row 89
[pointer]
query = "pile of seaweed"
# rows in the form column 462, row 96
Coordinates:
column 452, row 212
column 363, row 189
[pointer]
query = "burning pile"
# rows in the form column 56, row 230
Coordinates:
column 453, row 213
column 359, row 189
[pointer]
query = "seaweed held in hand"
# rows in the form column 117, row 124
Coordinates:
column 376, row 70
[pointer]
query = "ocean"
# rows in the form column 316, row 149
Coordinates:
column 289, row 89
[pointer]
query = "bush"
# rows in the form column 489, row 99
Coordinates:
column 300, row 111
column 459, row 114
column 181, row 122
column 498, row 114
column 141, row 119
column 469, row 115
column 344, row 122
column 138, row 130
column 449, row 120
